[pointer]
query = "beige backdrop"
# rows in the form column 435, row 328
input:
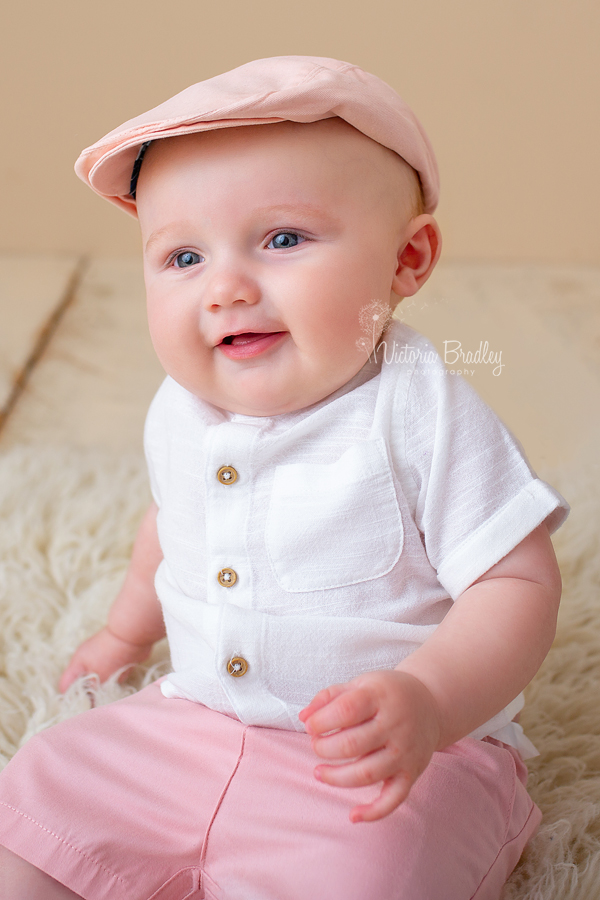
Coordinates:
column 507, row 89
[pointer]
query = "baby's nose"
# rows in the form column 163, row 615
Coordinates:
column 223, row 289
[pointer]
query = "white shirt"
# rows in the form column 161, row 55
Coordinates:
column 351, row 528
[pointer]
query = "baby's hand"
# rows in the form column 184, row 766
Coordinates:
column 103, row 654
column 387, row 723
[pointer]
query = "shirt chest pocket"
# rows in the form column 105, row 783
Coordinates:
column 335, row 524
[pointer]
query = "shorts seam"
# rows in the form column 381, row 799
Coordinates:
column 204, row 850
column 512, row 799
column 65, row 842
column 506, row 844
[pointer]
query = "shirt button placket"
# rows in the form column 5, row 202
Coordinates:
column 227, row 475
column 227, row 509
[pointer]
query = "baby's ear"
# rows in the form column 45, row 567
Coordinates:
column 417, row 256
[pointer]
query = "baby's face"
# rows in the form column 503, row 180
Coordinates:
column 262, row 244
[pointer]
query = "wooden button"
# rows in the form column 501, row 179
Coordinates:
column 227, row 577
column 237, row 666
column 227, row 475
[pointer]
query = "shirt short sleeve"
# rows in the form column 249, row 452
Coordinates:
column 478, row 497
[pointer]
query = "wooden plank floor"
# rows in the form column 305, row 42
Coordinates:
column 97, row 373
column 93, row 384
column 32, row 293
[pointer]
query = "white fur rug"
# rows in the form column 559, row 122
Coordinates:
column 67, row 522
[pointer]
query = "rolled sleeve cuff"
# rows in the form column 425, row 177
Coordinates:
column 537, row 502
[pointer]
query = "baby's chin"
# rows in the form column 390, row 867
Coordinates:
column 261, row 406
column 262, row 391
column 266, row 410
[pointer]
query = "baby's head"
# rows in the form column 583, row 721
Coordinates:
column 264, row 243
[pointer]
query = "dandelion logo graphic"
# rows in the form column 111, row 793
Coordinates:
column 374, row 319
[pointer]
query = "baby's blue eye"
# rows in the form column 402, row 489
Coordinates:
column 186, row 259
column 283, row 239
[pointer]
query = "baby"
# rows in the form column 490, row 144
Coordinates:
column 347, row 550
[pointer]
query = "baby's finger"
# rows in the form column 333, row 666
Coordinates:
column 349, row 742
column 320, row 700
column 352, row 706
column 71, row 674
column 394, row 792
column 369, row 769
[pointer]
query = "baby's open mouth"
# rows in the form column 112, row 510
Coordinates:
column 249, row 343
column 247, row 337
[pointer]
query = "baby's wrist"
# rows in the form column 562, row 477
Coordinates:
column 429, row 701
column 125, row 640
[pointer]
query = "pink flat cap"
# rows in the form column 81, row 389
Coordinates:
column 298, row 88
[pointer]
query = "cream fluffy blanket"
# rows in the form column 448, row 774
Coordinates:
column 67, row 522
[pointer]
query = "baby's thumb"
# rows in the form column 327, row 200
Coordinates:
column 73, row 671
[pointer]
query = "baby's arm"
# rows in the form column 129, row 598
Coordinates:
column 482, row 655
column 135, row 619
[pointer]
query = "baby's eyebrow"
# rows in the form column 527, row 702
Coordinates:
column 165, row 231
column 308, row 211
column 300, row 208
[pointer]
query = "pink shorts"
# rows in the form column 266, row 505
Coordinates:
column 160, row 798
